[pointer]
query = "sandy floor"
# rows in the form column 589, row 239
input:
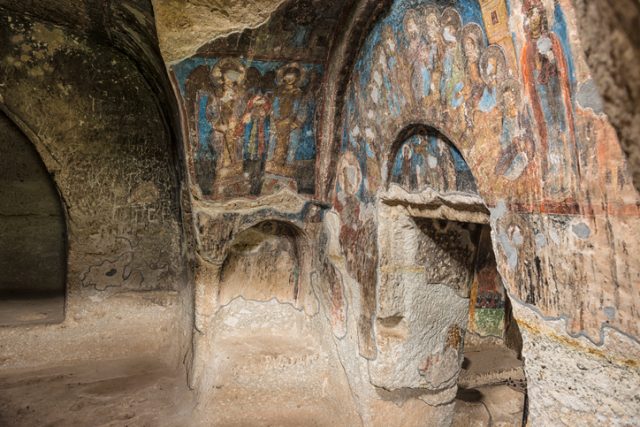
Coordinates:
column 22, row 310
column 492, row 388
column 122, row 393
column 257, row 379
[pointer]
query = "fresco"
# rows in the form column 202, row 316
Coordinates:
column 249, row 100
column 502, row 82
column 457, row 67
column 426, row 161
column 254, row 129
column 488, row 298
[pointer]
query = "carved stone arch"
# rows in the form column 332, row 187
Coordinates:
column 357, row 24
column 425, row 130
column 266, row 260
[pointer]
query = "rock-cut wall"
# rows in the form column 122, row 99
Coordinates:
column 507, row 83
column 96, row 123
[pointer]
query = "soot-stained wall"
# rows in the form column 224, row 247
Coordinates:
column 611, row 43
column 32, row 223
column 97, row 124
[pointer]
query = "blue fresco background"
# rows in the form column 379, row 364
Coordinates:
column 307, row 144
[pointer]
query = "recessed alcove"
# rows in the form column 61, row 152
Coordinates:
column 32, row 234
column 444, row 322
column 272, row 360
column 263, row 263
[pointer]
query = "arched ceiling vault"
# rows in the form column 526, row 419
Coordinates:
column 129, row 26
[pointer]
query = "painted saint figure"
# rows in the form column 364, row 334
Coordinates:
column 516, row 148
column 254, row 134
column 443, row 173
column 472, row 44
column 452, row 68
column 289, row 114
column 546, row 79
column 223, row 111
column 255, row 125
column 390, row 71
column 417, row 52
column 493, row 69
column 434, row 54
column 453, row 78
column 407, row 168
column 487, row 115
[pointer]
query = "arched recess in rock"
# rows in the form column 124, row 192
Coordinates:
column 439, row 298
column 264, row 262
column 33, row 235
column 266, row 344
column 386, row 86
column 426, row 158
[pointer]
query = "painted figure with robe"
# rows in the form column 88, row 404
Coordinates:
column 516, row 147
column 435, row 49
column 487, row 114
column 223, row 111
column 253, row 132
column 472, row 45
column 289, row 114
column 453, row 78
column 408, row 167
column 546, row 79
column 390, row 70
column 417, row 53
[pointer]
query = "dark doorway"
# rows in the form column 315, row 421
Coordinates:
column 32, row 234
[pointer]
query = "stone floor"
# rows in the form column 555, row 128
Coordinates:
column 118, row 393
column 261, row 378
column 492, row 388
column 274, row 366
column 28, row 310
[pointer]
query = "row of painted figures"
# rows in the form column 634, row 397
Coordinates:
column 250, row 124
column 445, row 71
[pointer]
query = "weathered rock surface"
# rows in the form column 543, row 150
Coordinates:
column 305, row 212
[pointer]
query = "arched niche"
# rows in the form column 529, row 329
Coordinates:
column 423, row 157
column 268, row 350
column 443, row 323
column 263, row 263
column 32, row 234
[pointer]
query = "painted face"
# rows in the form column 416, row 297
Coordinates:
column 290, row 78
column 449, row 34
column 492, row 69
column 412, row 29
column 389, row 42
column 535, row 22
column 231, row 77
column 259, row 103
column 433, row 27
column 471, row 49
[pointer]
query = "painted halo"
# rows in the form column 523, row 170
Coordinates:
column 451, row 17
column 302, row 74
column 225, row 65
column 493, row 51
column 474, row 31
